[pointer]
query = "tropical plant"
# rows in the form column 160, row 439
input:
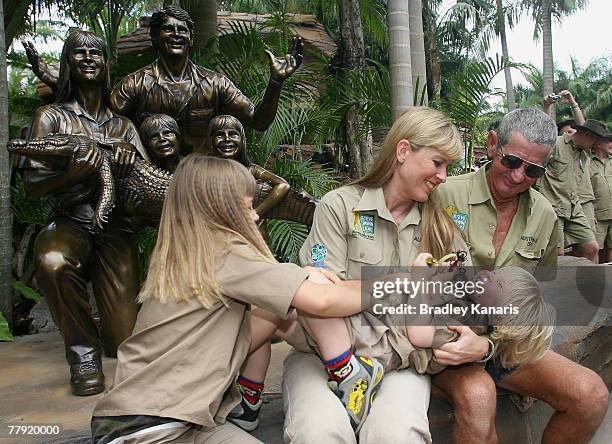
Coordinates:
column 468, row 99
column 543, row 12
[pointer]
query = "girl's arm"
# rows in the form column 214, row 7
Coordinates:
column 324, row 300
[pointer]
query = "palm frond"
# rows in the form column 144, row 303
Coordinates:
column 286, row 239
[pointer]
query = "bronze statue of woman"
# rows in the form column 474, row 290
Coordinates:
column 227, row 139
column 72, row 250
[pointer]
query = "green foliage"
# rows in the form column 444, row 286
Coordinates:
column 472, row 87
column 5, row 331
column 23, row 100
column 286, row 238
column 27, row 292
column 145, row 242
column 301, row 175
column 29, row 210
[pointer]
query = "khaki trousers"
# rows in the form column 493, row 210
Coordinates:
column 313, row 414
column 223, row 434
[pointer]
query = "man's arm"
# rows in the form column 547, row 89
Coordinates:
column 568, row 98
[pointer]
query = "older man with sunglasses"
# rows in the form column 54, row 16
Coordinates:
column 506, row 222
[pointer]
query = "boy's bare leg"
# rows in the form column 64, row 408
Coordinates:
column 331, row 335
column 256, row 365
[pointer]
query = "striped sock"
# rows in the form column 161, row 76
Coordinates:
column 342, row 366
column 251, row 391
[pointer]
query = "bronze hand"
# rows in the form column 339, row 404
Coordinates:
column 283, row 68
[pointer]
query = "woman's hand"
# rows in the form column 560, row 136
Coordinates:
column 469, row 347
column 327, row 274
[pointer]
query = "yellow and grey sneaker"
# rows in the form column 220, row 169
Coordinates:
column 357, row 390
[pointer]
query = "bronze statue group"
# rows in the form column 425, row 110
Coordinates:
column 166, row 148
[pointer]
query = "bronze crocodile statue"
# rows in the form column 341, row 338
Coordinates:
column 146, row 184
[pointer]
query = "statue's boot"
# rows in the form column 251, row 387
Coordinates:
column 86, row 377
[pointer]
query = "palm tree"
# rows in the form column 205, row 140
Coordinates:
column 352, row 50
column 5, row 174
column 417, row 52
column 500, row 25
column 400, row 60
column 543, row 12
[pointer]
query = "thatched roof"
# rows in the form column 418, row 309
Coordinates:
column 306, row 26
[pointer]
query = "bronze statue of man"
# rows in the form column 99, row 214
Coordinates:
column 71, row 250
column 189, row 93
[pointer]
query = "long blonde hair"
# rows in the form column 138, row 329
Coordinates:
column 204, row 211
column 422, row 127
column 525, row 336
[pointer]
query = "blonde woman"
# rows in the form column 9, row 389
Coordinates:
column 385, row 218
column 176, row 374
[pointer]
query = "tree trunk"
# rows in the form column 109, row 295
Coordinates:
column 400, row 66
column 204, row 15
column 434, row 54
column 15, row 18
column 417, row 52
column 547, row 68
column 501, row 25
column 6, row 218
column 352, row 50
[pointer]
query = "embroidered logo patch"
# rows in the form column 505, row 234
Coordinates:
column 529, row 240
column 363, row 225
column 318, row 252
column 459, row 218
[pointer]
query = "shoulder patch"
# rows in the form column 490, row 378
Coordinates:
column 318, row 253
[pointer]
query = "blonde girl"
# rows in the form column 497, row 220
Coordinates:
column 175, row 377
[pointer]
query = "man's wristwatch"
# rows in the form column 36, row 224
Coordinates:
column 490, row 352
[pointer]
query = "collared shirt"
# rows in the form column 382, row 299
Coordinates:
column 182, row 360
column 72, row 118
column 566, row 183
column 531, row 241
column 601, row 178
column 192, row 102
column 352, row 227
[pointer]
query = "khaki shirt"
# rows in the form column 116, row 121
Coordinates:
column 182, row 360
column 352, row 226
column 601, row 178
column 72, row 118
column 532, row 238
column 566, row 183
column 192, row 103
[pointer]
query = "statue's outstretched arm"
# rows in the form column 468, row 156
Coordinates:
column 46, row 73
column 260, row 117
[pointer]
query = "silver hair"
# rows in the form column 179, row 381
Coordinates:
column 535, row 125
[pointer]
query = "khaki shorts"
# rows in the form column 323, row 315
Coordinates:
column 603, row 233
column 575, row 230
column 589, row 212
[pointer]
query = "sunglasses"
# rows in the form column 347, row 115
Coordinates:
column 513, row 162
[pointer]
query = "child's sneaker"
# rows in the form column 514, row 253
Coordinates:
column 357, row 391
column 245, row 415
